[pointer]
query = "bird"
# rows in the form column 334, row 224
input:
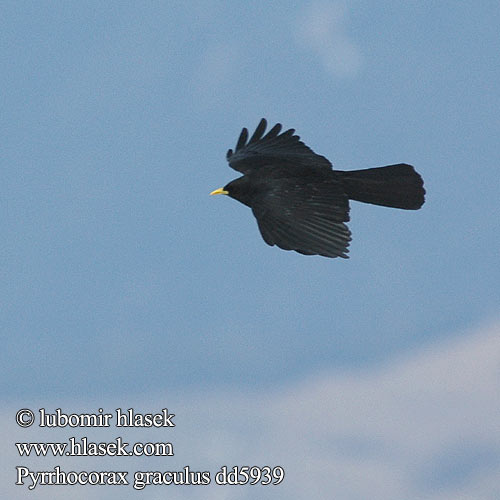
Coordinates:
column 300, row 202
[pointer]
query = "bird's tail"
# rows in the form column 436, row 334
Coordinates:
column 397, row 186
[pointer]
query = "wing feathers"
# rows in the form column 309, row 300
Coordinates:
column 306, row 218
column 306, row 238
column 272, row 148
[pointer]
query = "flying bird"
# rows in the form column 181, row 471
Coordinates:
column 299, row 201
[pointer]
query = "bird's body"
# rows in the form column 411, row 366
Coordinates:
column 299, row 202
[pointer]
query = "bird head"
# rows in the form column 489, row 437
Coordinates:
column 239, row 189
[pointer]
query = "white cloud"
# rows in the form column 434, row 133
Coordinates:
column 321, row 27
column 424, row 427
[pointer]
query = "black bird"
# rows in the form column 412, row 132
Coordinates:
column 299, row 201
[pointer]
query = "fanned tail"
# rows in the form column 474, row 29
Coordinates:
column 397, row 186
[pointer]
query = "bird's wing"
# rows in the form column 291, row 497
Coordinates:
column 305, row 217
column 272, row 147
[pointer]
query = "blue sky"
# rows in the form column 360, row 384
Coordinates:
column 122, row 280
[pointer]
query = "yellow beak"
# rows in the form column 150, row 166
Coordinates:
column 220, row 191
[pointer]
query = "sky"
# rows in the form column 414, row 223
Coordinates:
column 125, row 285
